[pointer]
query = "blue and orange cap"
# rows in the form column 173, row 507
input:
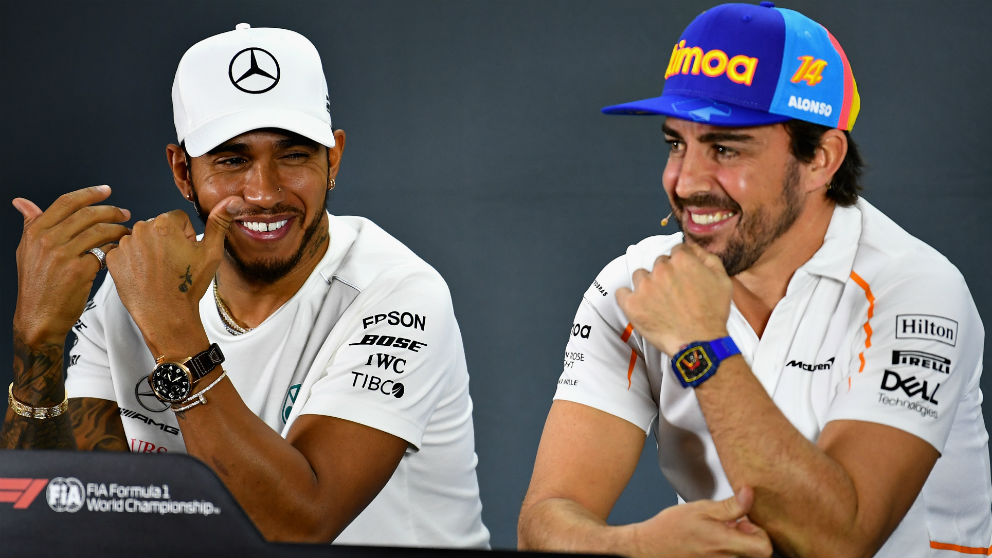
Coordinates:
column 747, row 65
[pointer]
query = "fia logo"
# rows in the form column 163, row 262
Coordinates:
column 65, row 494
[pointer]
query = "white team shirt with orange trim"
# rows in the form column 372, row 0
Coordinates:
column 876, row 326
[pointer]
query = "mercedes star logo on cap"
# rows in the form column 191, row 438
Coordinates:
column 254, row 70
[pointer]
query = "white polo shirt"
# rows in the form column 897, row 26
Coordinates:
column 877, row 326
column 370, row 337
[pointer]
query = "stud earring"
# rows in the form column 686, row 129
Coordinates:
column 331, row 183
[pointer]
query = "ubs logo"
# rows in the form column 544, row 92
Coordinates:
column 254, row 70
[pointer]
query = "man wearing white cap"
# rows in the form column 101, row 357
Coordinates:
column 792, row 341
column 312, row 361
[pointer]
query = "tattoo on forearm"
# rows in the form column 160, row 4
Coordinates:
column 187, row 281
column 38, row 372
column 97, row 425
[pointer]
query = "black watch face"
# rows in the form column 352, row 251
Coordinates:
column 171, row 382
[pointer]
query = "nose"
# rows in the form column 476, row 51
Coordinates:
column 689, row 174
column 262, row 185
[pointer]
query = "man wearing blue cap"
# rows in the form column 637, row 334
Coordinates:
column 792, row 345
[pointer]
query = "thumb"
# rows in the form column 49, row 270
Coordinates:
column 736, row 506
column 27, row 208
column 708, row 259
column 219, row 222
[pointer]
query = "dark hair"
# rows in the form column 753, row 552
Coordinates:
column 844, row 186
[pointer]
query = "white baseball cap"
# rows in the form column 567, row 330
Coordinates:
column 248, row 79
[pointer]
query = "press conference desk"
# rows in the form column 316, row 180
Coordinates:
column 61, row 503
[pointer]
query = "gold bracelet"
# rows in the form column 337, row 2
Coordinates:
column 28, row 411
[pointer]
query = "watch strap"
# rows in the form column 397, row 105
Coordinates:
column 697, row 361
column 202, row 363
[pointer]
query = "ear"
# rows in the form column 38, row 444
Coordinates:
column 828, row 158
column 334, row 153
column 176, row 156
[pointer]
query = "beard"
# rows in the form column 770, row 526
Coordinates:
column 270, row 270
column 756, row 231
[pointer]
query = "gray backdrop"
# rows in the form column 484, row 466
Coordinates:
column 474, row 136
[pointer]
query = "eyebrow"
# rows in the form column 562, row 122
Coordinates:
column 712, row 137
column 294, row 140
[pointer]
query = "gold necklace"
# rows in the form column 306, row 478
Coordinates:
column 232, row 326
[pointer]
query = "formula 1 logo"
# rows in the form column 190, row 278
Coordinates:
column 20, row 492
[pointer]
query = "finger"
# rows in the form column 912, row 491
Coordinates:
column 709, row 260
column 622, row 294
column 732, row 509
column 745, row 498
column 27, row 208
column 86, row 217
column 97, row 235
column 219, row 222
column 69, row 203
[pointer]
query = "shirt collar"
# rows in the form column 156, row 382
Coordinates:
column 835, row 258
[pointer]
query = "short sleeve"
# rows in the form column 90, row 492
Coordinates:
column 397, row 362
column 88, row 370
column 919, row 353
column 602, row 366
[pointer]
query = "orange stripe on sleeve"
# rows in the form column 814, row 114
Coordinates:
column 871, row 312
column 626, row 332
column 630, row 369
column 961, row 549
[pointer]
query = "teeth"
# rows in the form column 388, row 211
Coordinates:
column 710, row 218
column 258, row 226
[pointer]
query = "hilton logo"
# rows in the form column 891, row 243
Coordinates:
column 925, row 326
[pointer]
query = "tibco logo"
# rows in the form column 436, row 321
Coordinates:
column 20, row 492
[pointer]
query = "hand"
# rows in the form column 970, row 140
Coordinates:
column 684, row 298
column 161, row 272
column 704, row 528
column 54, row 270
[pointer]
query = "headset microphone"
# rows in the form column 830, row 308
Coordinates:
column 664, row 222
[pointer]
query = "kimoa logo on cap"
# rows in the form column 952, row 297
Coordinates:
column 254, row 70
column 713, row 63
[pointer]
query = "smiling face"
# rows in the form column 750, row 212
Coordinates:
column 735, row 191
column 283, row 179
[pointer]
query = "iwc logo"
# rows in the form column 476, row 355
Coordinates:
column 65, row 494
column 254, row 70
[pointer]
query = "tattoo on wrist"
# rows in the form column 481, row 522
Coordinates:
column 37, row 373
column 187, row 281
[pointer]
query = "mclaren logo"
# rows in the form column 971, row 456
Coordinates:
column 254, row 70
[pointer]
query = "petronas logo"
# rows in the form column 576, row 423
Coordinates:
column 287, row 404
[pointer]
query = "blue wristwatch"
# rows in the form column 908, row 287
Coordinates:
column 697, row 361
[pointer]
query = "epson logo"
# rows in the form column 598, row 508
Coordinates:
column 925, row 326
column 812, row 367
column 922, row 360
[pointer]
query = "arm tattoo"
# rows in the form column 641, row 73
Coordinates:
column 187, row 281
column 38, row 371
column 97, row 424
column 90, row 424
